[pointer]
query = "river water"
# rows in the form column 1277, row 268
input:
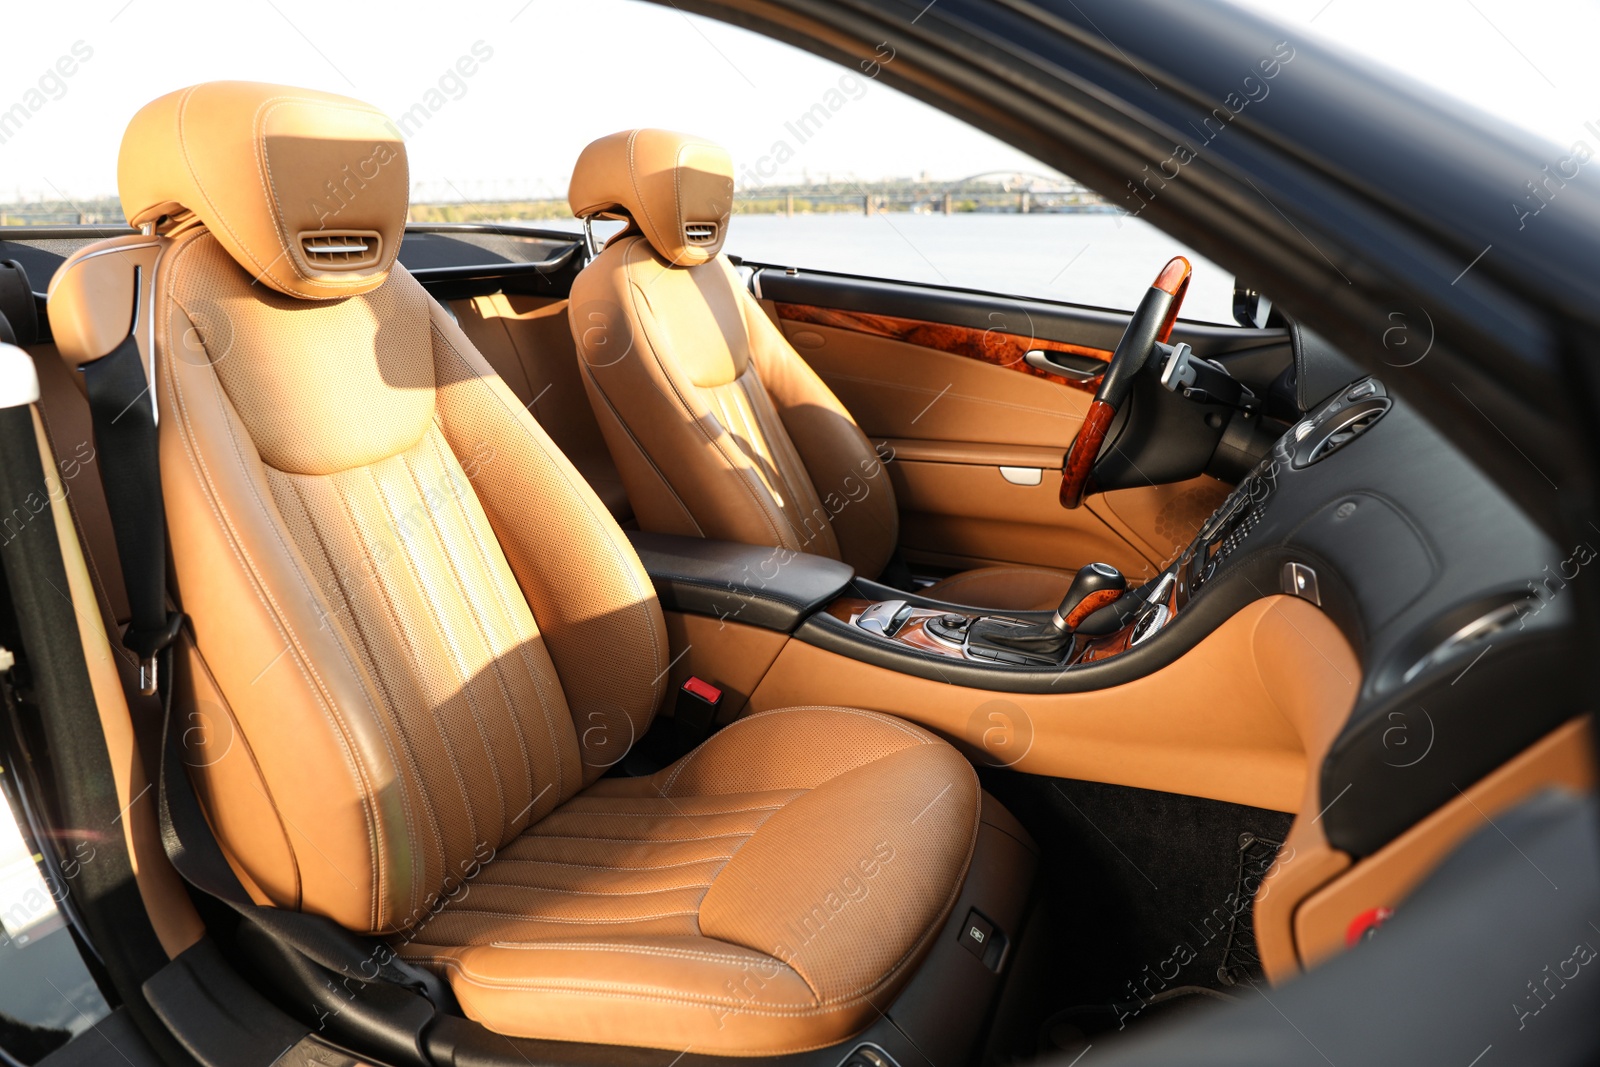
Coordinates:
column 1102, row 260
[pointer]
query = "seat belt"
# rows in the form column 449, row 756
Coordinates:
column 122, row 406
column 127, row 447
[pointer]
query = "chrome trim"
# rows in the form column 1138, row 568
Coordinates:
column 1176, row 373
column 591, row 244
column 149, row 354
column 315, row 248
column 1486, row 625
column 51, row 288
column 1022, row 475
column 1039, row 359
column 1300, row 580
column 879, row 617
column 1157, row 618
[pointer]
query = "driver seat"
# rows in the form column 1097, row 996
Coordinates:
column 718, row 428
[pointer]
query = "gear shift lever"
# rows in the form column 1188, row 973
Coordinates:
column 1093, row 587
column 1096, row 586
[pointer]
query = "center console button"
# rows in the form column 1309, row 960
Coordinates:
column 950, row 628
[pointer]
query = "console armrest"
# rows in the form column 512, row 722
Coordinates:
column 774, row 588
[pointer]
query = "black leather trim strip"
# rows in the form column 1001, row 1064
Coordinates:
column 773, row 588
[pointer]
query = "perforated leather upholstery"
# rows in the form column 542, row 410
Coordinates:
column 418, row 642
column 719, row 429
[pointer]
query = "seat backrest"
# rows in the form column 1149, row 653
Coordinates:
column 718, row 427
column 415, row 629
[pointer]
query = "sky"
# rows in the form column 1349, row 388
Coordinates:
column 548, row 76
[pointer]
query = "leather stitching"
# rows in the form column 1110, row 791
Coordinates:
column 467, row 685
column 417, row 656
column 388, row 698
column 639, row 840
column 534, row 675
column 599, row 390
column 607, row 893
column 668, row 951
column 591, row 813
column 405, row 799
column 331, row 712
column 571, row 920
column 687, row 410
column 683, row 764
column 642, row 595
column 615, row 867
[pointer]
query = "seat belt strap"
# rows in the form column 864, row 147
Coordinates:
column 123, row 410
column 127, row 449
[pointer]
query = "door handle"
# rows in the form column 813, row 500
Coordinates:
column 1066, row 364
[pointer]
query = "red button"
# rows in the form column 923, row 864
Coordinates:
column 703, row 689
column 1365, row 924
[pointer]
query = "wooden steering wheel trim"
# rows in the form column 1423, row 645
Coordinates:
column 1080, row 459
column 1085, row 450
column 1173, row 279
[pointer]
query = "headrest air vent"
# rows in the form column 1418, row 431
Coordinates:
column 332, row 250
column 700, row 233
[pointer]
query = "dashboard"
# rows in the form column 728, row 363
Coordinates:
column 1449, row 594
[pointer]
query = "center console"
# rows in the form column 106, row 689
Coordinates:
column 1102, row 634
column 1100, row 618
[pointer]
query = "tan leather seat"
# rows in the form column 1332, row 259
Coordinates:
column 718, row 427
column 419, row 639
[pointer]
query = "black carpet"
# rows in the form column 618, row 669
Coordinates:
column 1137, row 899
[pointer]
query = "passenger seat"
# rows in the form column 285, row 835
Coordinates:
column 527, row 340
column 423, row 639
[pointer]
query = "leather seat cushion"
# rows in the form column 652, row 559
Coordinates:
column 768, row 893
column 1005, row 588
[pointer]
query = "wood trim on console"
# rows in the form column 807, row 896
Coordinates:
column 995, row 347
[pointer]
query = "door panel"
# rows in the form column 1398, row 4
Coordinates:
column 941, row 377
column 899, row 389
column 993, row 345
column 964, row 515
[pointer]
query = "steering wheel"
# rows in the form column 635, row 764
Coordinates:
column 1152, row 322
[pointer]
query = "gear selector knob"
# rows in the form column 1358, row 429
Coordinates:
column 1093, row 587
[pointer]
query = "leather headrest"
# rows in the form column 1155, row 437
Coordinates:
column 676, row 188
column 307, row 190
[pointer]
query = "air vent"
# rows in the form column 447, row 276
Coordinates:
column 1323, row 439
column 700, row 233
column 327, row 250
